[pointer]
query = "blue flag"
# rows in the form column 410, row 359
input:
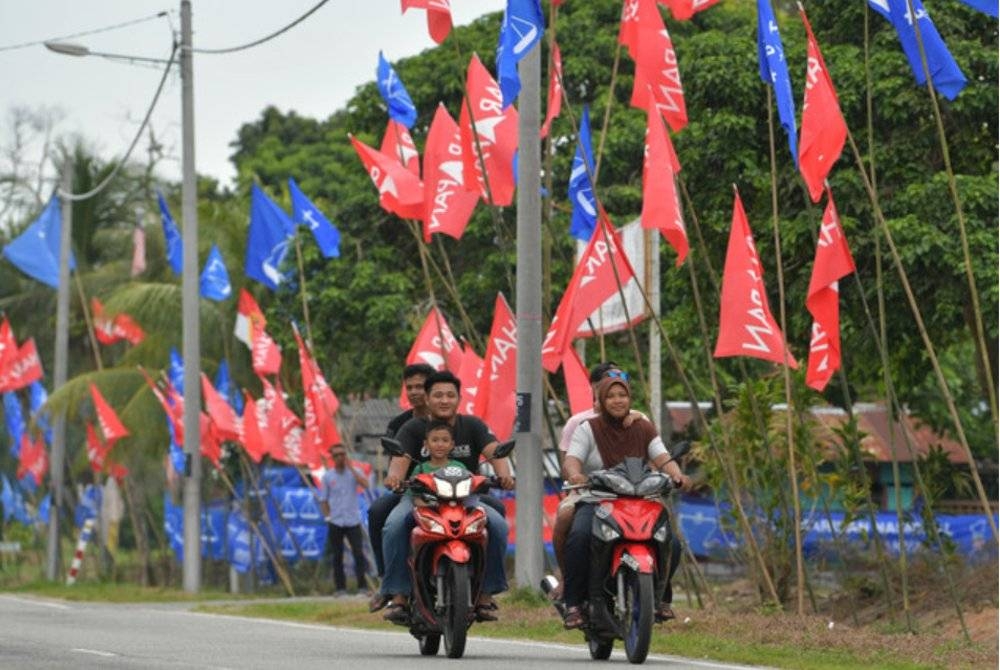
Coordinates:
column 14, row 418
column 522, row 27
column 401, row 107
column 37, row 398
column 267, row 246
column 226, row 388
column 171, row 237
column 44, row 507
column 176, row 451
column 991, row 7
column 303, row 211
column 175, row 371
column 35, row 252
column 215, row 277
column 13, row 504
column 581, row 195
column 945, row 73
column 774, row 71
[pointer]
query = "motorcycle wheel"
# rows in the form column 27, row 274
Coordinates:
column 600, row 650
column 455, row 623
column 638, row 615
column 429, row 644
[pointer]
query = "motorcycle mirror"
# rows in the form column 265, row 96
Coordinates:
column 503, row 449
column 679, row 449
column 393, row 446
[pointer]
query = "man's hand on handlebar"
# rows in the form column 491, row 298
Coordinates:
column 506, row 482
column 683, row 482
column 392, row 482
column 579, row 478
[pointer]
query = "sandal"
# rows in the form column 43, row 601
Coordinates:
column 396, row 613
column 378, row 601
column 574, row 618
column 485, row 608
column 664, row 613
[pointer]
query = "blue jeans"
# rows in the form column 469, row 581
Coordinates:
column 396, row 549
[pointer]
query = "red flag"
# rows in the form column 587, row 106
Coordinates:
column 682, row 10
column 321, row 403
column 131, row 331
column 97, row 451
column 8, row 345
column 628, row 29
column 23, row 369
column 107, row 419
column 220, row 412
column 661, row 205
column 438, row 16
column 172, row 403
column 117, row 470
column 470, row 374
column 833, row 261
column 210, row 448
column 33, row 458
column 247, row 313
column 265, row 356
column 497, row 402
column 496, row 132
column 746, row 327
column 448, row 204
column 435, row 345
column 657, row 80
column 581, row 394
column 555, row 92
column 280, row 421
column 601, row 270
column 110, row 330
column 398, row 143
column 399, row 190
column 823, row 128
column 252, row 436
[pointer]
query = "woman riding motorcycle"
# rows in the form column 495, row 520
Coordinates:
column 599, row 443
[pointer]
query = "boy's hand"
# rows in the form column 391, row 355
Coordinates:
column 506, row 482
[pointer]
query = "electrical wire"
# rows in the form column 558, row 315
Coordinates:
column 76, row 197
column 22, row 45
column 266, row 37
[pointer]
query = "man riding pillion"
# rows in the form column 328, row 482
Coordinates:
column 472, row 439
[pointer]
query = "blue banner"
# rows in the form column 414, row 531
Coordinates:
column 581, row 195
column 35, row 252
column 267, row 244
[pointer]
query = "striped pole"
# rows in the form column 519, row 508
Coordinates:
column 81, row 544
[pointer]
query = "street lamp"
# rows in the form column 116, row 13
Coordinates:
column 189, row 294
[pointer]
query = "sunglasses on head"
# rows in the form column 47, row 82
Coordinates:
column 617, row 374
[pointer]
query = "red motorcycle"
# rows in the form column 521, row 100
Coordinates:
column 631, row 534
column 448, row 553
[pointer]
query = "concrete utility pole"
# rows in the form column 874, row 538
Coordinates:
column 61, row 372
column 529, row 558
column 190, row 319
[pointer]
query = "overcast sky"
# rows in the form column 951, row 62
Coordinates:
column 314, row 68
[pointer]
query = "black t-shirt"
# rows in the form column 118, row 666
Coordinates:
column 397, row 422
column 471, row 437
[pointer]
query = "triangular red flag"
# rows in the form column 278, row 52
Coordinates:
column 555, row 92
column 33, row 458
column 248, row 313
column 265, row 356
column 398, row 143
column 97, row 451
column 498, row 404
column 23, row 369
column 210, row 448
column 578, row 388
column 470, row 374
column 602, row 269
column 746, row 327
column 657, row 80
column 107, row 419
column 628, row 28
column 495, row 137
column 833, row 261
column 683, row 10
column 8, row 345
column 438, row 16
column 128, row 329
column 321, row 403
column 823, row 128
column 281, row 420
column 448, row 204
column 221, row 413
column 104, row 327
column 172, row 403
column 251, row 436
column 434, row 345
column 399, row 190
column 661, row 205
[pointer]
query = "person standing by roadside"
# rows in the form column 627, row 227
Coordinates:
column 339, row 503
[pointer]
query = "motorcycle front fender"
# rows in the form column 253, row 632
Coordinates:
column 637, row 556
column 454, row 550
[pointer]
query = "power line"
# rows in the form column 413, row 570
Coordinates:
column 22, row 45
column 265, row 38
column 149, row 112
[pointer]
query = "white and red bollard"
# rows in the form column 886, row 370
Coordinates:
column 81, row 545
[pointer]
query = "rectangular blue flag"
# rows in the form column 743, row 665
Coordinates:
column 171, row 237
column 401, row 107
column 305, row 212
column 267, row 245
column 945, row 73
column 581, row 195
column 35, row 252
column 215, row 278
column 14, row 418
column 522, row 27
column 774, row 71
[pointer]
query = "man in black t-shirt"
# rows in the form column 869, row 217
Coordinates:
column 472, row 440
column 414, row 376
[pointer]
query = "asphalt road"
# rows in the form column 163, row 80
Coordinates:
column 41, row 633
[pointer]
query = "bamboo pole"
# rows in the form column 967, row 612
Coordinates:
column 302, row 290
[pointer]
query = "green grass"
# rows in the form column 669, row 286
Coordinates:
column 114, row 592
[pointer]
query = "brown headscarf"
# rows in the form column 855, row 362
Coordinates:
column 614, row 441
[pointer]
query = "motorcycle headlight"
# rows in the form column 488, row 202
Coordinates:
column 651, row 484
column 463, row 488
column 606, row 532
column 444, row 488
column 430, row 524
column 614, row 482
column 475, row 526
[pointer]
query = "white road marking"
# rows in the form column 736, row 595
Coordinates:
column 95, row 652
column 40, row 603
